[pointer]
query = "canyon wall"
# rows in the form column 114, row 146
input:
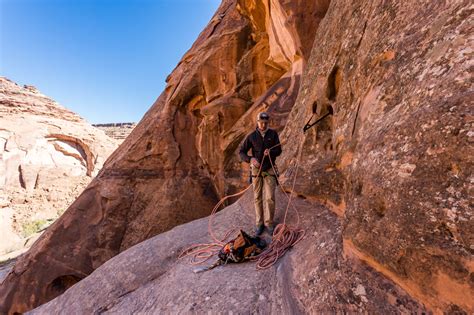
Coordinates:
column 171, row 168
column 48, row 155
column 117, row 131
column 392, row 161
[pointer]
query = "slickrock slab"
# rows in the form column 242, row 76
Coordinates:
column 314, row 277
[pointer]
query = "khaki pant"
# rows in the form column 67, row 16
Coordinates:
column 264, row 197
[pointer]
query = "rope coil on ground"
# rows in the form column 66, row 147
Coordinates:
column 283, row 238
column 200, row 253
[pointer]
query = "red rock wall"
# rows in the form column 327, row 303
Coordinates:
column 394, row 159
column 171, row 169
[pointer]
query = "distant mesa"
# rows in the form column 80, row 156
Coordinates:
column 117, row 131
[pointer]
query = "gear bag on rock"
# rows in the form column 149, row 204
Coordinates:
column 241, row 248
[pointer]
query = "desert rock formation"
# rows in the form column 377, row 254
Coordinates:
column 171, row 168
column 117, row 131
column 48, row 155
column 395, row 159
column 314, row 277
column 392, row 161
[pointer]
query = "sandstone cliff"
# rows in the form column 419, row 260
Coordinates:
column 48, row 155
column 392, row 161
column 171, row 168
column 395, row 159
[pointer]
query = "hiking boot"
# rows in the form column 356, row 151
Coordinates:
column 259, row 230
column 270, row 229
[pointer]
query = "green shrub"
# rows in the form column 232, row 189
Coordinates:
column 33, row 227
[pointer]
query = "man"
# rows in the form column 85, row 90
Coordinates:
column 264, row 143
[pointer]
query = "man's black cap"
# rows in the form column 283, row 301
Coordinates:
column 263, row 116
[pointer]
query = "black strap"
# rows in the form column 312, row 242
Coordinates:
column 308, row 125
column 262, row 175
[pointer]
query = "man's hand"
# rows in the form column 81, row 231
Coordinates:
column 254, row 162
column 266, row 152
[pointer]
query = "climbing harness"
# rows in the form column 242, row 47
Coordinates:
column 308, row 125
column 265, row 174
column 284, row 237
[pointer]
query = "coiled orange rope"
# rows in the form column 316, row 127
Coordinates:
column 283, row 238
column 202, row 252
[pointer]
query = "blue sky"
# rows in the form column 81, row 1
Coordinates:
column 106, row 60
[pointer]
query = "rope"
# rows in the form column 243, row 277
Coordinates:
column 202, row 252
column 283, row 237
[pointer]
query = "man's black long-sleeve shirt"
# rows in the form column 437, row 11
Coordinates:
column 259, row 144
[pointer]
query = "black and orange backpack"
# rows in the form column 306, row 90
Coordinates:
column 241, row 248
